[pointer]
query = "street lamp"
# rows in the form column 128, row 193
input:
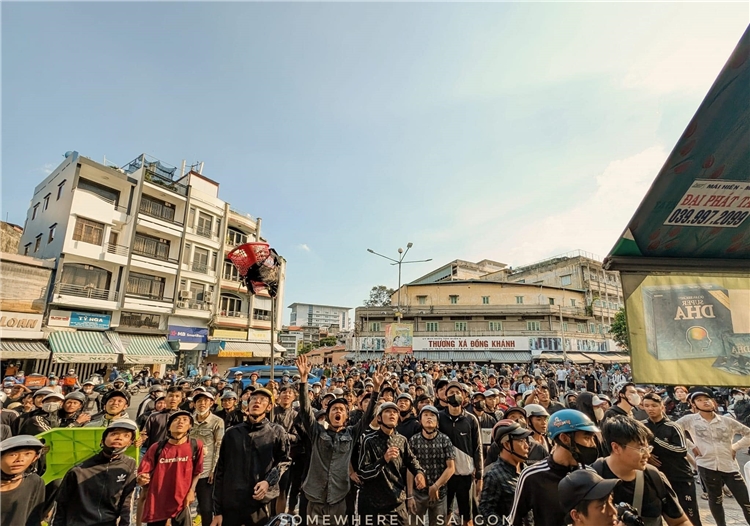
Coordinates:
column 400, row 261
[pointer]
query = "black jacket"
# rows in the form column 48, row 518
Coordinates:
column 670, row 447
column 231, row 418
column 97, row 492
column 537, row 493
column 250, row 453
column 409, row 427
column 463, row 430
column 156, row 427
column 289, row 420
column 384, row 483
column 36, row 422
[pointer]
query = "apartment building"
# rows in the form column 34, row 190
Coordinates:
column 140, row 256
column 291, row 338
column 313, row 315
column 485, row 321
column 459, row 269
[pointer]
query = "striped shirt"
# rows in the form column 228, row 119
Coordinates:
column 537, row 493
column 670, row 448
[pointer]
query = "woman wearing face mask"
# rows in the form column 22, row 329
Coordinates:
column 54, row 384
column 591, row 405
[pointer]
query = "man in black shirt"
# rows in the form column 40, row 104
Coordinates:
column 384, row 458
column 542, row 394
column 230, row 413
column 592, row 382
column 21, row 493
column 670, row 455
column 408, row 425
column 628, row 440
column 627, row 399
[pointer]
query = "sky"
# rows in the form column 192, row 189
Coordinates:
column 504, row 131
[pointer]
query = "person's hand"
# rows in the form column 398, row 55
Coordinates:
column 420, row 481
column 478, row 486
column 211, row 478
column 143, row 479
column 304, row 367
column 654, row 461
column 141, row 439
column 696, row 452
column 434, row 493
column 391, row 453
column 218, row 519
column 734, row 454
column 261, row 488
column 355, row 478
column 83, row 418
column 411, row 505
column 378, row 377
column 189, row 498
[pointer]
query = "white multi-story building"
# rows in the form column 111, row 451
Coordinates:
column 312, row 315
column 140, row 253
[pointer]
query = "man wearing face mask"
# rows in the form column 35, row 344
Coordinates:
column 99, row 490
column 500, row 480
column 487, row 421
column 408, row 423
column 44, row 418
column 573, row 435
column 463, row 430
column 627, row 399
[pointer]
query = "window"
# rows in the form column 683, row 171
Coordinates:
column 204, row 225
column 485, row 300
column 422, row 300
column 598, row 329
column 108, row 194
column 46, row 202
column 565, row 280
column 85, row 277
column 88, row 231
column 565, row 326
column 191, row 218
column 38, row 243
column 431, row 326
column 461, row 326
column 230, row 272
column 26, row 249
column 34, row 211
column 572, row 303
column 200, row 260
column 592, row 328
column 453, row 299
column 374, row 326
column 60, row 190
column 581, row 327
column 52, row 233
column 140, row 320
column 151, row 247
column 533, row 326
column 157, row 208
column 151, row 287
column 496, row 326
column 261, row 314
column 198, row 290
column 552, row 301
column 230, row 306
column 519, row 300
column 186, row 255
column 235, row 237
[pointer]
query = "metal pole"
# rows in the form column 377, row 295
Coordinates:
column 398, row 301
column 273, row 327
column 562, row 333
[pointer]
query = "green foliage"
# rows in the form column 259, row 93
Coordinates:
column 380, row 296
column 328, row 341
column 619, row 329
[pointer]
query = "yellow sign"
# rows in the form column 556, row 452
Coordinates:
column 398, row 338
column 689, row 329
column 229, row 334
column 235, row 354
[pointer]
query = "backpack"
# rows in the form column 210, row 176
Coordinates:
column 162, row 443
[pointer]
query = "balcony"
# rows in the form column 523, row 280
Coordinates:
column 233, row 314
column 157, row 173
column 150, row 297
column 154, row 255
column 235, row 239
column 119, row 250
column 206, row 232
column 65, row 289
column 197, row 266
column 155, row 210
column 194, row 305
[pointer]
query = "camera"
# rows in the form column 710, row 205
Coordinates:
column 628, row 516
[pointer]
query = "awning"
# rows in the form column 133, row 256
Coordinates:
column 434, row 356
column 23, row 350
column 146, row 349
column 609, row 357
column 83, row 347
column 509, row 356
column 559, row 357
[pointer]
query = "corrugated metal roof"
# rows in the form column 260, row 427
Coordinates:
column 147, row 349
column 82, row 347
column 24, row 349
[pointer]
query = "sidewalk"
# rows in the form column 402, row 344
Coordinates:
column 731, row 509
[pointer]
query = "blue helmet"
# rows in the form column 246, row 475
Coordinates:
column 569, row 421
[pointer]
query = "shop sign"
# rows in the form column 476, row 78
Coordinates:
column 79, row 320
column 188, row 334
column 470, row 343
column 255, row 335
column 20, row 325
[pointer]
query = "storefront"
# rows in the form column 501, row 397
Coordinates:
column 230, row 348
column 22, row 341
column 190, row 343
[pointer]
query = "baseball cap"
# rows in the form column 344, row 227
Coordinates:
column 583, row 484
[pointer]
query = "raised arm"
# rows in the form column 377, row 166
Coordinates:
column 305, row 411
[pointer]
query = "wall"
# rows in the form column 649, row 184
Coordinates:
column 10, row 237
column 472, row 293
column 23, row 283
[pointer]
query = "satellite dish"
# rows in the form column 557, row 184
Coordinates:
column 68, row 154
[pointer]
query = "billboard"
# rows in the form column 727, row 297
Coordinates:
column 688, row 328
column 398, row 338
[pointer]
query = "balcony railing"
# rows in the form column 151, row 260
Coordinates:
column 233, row 314
column 85, row 291
column 163, row 181
column 199, row 267
column 155, row 210
column 204, row 232
column 193, row 304
column 261, row 317
column 234, row 239
column 119, row 250
column 158, row 257
column 152, row 297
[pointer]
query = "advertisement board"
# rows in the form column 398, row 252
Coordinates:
column 20, row 325
column 398, row 338
column 188, row 334
column 79, row 320
column 471, row 343
column 689, row 329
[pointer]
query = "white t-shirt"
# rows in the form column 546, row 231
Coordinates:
column 562, row 374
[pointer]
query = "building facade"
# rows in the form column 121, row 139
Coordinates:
column 140, row 255
column 484, row 321
column 291, row 338
column 312, row 315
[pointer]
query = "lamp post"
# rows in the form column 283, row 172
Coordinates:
column 400, row 261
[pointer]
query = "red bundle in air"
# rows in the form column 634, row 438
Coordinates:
column 258, row 264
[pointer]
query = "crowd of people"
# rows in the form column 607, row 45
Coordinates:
column 382, row 443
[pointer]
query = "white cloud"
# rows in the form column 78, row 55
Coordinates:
column 592, row 224
column 304, row 247
column 47, row 168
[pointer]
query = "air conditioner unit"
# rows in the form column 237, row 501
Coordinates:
column 186, row 294
column 183, row 304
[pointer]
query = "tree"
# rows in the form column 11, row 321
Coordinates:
column 328, row 341
column 306, row 348
column 619, row 329
column 380, row 296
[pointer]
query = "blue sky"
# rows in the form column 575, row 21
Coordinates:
column 511, row 132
